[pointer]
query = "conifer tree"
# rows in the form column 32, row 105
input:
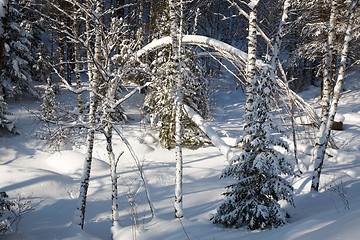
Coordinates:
column 4, row 12
column 253, row 199
column 17, row 75
column 158, row 104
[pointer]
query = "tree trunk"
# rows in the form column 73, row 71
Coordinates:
column 320, row 148
column 140, row 29
column 113, row 175
column 251, row 61
column 176, row 31
column 94, row 84
column 85, row 177
column 326, row 84
column 88, row 54
column 77, row 59
column 178, row 204
column 60, row 49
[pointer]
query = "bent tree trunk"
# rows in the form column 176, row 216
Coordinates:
column 320, row 148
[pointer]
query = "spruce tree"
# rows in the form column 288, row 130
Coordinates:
column 17, row 75
column 158, row 104
column 253, row 199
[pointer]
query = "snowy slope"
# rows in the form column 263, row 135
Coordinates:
column 51, row 180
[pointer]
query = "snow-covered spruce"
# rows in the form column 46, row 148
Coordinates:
column 253, row 199
column 17, row 72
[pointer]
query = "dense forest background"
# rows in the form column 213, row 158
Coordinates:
column 105, row 51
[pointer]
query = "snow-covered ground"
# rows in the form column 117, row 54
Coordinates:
column 51, row 180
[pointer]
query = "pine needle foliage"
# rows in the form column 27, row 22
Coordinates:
column 253, row 199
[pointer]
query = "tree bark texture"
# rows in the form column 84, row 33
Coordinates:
column 77, row 59
column 321, row 145
column 175, row 31
column 251, row 61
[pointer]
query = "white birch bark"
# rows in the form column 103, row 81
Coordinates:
column 88, row 53
column 273, row 62
column 77, row 59
column 251, row 58
column 176, row 38
column 210, row 132
column 94, row 82
column 113, row 174
column 79, row 217
column 320, row 148
column 326, row 91
column 279, row 36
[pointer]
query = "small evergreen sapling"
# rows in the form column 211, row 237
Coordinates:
column 253, row 199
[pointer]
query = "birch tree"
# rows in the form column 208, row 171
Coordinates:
column 325, row 131
column 251, row 58
column 176, row 47
column 94, row 84
column 77, row 59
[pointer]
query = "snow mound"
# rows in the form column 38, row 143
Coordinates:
column 66, row 162
column 71, row 162
column 26, row 181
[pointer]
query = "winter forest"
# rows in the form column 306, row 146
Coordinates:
column 179, row 119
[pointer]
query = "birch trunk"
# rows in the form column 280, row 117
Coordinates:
column 251, row 61
column 209, row 132
column 113, row 175
column 94, row 84
column 178, row 204
column 61, row 50
column 279, row 36
column 88, row 54
column 326, row 91
column 320, row 148
column 139, row 32
column 275, row 60
column 85, row 177
column 176, row 52
column 77, row 59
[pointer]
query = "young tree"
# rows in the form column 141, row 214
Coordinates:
column 253, row 199
column 93, row 105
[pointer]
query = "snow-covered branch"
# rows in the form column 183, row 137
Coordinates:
column 210, row 132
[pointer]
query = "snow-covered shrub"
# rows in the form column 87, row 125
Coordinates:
column 11, row 212
column 253, row 199
column 5, row 213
